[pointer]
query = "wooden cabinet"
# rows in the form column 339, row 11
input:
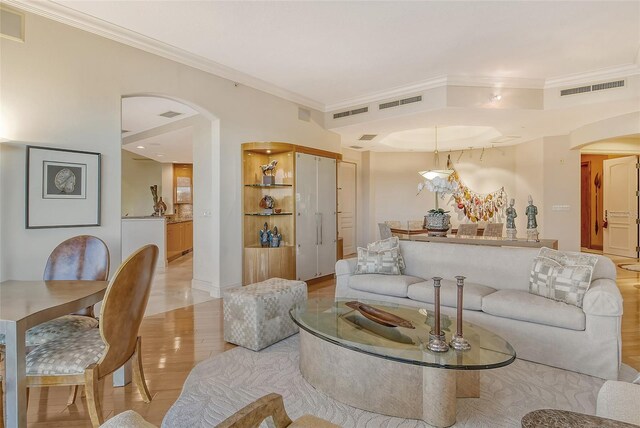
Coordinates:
column 183, row 183
column 179, row 239
column 260, row 263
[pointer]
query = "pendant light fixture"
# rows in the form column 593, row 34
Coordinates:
column 430, row 174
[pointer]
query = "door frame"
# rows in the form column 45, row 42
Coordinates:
column 588, row 203
column 355, row 210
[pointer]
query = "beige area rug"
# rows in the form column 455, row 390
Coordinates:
column 635, row 267
column 219, row 386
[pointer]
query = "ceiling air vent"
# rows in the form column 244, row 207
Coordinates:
column 169, row 114
column 608, row 85
column 573, row 91
column 401, row 102
column 592, row 88
column 368, row 137
column 356, row 147
column 350, row 112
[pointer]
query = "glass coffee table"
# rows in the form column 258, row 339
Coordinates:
column 389, row 370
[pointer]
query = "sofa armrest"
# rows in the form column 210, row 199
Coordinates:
column 346, row 266
column 619, row 401
column 603, row 299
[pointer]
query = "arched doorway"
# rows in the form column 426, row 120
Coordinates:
column 161, row 126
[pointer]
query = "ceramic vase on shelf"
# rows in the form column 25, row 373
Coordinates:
column 438, row 222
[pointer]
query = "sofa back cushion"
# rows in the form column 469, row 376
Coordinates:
column 503, row 268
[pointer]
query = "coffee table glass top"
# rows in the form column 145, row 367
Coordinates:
column 337, row 323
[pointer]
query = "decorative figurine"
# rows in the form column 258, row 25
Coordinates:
column 154, row 194
column 161, row 206
column 275, row 238
column 511, row 222
column 532, row 224
column 265, row 236
column 458, row 342
column 267, row 203
column 437, row 341
column 270, row 167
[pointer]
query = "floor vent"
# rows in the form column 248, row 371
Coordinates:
column 592, row 88
column 401, row 102
column 350, row 112
column 368, row 137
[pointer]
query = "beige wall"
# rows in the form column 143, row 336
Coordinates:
column 138, row 175
column 62, row 88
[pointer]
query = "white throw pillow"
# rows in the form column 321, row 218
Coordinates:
column 383, row 262
column 387, row 244
column 562, row 276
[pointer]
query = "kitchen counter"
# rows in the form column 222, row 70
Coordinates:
column 142, row 217
column 180, row 220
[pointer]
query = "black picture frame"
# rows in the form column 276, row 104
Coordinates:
column 60, row 204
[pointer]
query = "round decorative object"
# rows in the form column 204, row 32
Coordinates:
column 65, row 180
column 267, row 202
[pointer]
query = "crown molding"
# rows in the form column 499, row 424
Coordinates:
column 608, row 73
column 82, row 21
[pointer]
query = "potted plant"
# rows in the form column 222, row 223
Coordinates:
column 437, row 222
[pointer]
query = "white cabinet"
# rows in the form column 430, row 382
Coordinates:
column 316, row 233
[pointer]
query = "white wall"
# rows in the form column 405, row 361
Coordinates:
column 529, row 181
column 138, row 175
column 62, row 88
column 394, row 178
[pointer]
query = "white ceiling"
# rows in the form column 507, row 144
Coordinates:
column 334, row 53
column 143, row 113
column 448, row 138
column 173, row 146
column 140, row 114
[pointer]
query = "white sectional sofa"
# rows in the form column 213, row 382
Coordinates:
column 586, row 340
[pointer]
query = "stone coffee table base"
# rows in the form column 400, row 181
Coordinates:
column 385, row 386
column 549, row 418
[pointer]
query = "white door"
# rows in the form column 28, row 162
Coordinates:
column 328, row 234
column 347, row 206
column 620, row 183
column 307, row 238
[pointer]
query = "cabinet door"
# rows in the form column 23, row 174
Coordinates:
column 188, row 235
column 327, row 214
column 173, row 240
column 307, row 217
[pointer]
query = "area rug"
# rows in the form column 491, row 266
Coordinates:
column 219, row 386
column 635, row 267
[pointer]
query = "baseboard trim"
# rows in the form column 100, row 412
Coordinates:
column 199, row 284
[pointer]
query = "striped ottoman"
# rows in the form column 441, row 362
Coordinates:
column 257, row 315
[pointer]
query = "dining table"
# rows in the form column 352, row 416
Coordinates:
column 25, row 304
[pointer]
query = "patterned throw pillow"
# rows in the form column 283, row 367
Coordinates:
column 387, row 244
column 384, row 262
column 562, row 276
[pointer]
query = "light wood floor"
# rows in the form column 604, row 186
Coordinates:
column 175, row 341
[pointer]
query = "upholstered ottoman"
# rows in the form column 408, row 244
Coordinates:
column 257, row 315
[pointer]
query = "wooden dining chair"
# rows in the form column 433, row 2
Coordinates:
column 493, row 230
column 467, row 229
column 87, row 357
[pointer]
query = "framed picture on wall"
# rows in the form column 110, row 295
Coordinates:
column 63, row 188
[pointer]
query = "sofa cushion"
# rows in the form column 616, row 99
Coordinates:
column 523, row 306
column 383, row 262
column 472, row 297
column 387, row 244
column 562, row 276
column 388, row 285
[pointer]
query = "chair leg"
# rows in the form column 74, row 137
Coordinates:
column 92, row 388
column 138, row 373
column 72, row 395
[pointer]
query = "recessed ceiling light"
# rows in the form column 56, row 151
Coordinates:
column 139, row 147
column 268, row 151
column 495, row 98
column 159, row 155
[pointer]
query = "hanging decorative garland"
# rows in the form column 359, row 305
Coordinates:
column 477, row 206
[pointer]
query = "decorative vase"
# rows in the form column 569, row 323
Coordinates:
column 437, row 224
